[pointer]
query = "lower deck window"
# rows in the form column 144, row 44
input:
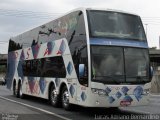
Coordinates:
column 45, row 67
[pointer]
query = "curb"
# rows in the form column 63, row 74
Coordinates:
column 135, row 111
column 154, row 94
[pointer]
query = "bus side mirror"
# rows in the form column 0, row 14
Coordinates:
column 151, row 72
column 81, row 70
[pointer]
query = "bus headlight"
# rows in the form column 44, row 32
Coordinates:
column 145, row 91
column 100, row 92
column 94, row 90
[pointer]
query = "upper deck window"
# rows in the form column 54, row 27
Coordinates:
column 111, row 24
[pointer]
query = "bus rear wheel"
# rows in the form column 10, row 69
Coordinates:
column 65, row 99
column 14, row 88
column 53, row 97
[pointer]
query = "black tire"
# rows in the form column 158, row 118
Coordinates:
column 3, row 83
column 54, row 97
column 14, row 88
column 65, row 99
column 19, row 91
column 114, row 109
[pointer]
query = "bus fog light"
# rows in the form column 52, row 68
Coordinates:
column 97, row 102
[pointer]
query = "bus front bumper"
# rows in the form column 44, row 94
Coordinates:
column 123, row 101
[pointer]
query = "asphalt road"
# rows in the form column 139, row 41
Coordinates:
column 32, row 108
column 11, row 110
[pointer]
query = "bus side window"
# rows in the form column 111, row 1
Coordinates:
column 77, row 43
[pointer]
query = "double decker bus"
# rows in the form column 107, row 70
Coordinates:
column 88, row 57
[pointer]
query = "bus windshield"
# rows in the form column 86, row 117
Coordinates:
column 119, row 65
column 111, row 24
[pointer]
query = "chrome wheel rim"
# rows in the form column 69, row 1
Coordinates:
column 65, row 98
column 54, row 96
column 20, row 91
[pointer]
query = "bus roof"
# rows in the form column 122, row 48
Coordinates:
column 82, row 9
column 105, row 9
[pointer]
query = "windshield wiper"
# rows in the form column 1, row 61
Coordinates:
column 139, row 78
column 142, row 78
column 113, row 78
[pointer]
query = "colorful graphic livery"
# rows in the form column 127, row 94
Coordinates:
column 88, row 57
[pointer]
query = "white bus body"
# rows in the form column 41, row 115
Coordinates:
column 55, row 61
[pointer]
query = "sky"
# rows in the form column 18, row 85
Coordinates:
column 18, row 16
